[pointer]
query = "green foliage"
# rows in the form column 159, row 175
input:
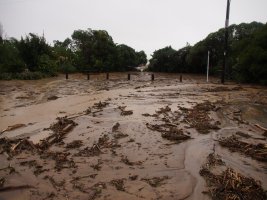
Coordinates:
column 10, row 61
column 27, row 75
column 251, row 62
column 31, row 48
column 96, row 51
column 247, row 54
column 163, row 60
column 88, row 50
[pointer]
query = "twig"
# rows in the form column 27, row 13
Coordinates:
column 259, row 126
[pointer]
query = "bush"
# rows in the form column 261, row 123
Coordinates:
column 26, row 75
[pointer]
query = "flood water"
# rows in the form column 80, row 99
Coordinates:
column 134, row 155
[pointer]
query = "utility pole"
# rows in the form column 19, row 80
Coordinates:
column 225, row 53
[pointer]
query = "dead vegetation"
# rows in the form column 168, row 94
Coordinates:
column 115, row 127
column 119, row 184
column 15, row 146
column 88, row 152
column 125, row 112
column 224, row 89
column 232, row 185
column 60, row 129
column 175, row 134
column 169, row 132
column 103, row 142
column 74, row 144
column 100, row 105
column 229, row 184
column 119, row 135
column 155, row 181
column 126, row 161
column 61, row 159
column 258, row 152
column 198, row 117
column 38, row 169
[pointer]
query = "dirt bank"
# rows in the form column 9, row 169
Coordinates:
column 137, row 139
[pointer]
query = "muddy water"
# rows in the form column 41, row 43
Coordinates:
column 148, row 154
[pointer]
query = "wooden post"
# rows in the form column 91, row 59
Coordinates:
column 107, row 76
column 67, row 76
column 129, row 77
column 181, row 78
column 152, row 77
column 88, row 76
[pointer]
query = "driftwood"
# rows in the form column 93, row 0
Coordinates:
column 13, row 127
column 259, row 126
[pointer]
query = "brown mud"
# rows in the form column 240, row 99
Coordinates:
column 137, row 139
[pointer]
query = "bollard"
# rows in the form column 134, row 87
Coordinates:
column 152, row 77
column 107, row 76
column 129, row 77
column 67, row 76
column 88, row 76
column 181, row 78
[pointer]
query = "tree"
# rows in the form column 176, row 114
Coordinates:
column 10, row 60
column 141, row 58
column 126, row 57
column 31, row 48
column 251, row 62
column 163, row 60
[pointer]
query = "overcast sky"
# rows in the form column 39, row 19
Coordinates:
column 142, row 24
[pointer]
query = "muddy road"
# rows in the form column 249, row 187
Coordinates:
column 137, row 139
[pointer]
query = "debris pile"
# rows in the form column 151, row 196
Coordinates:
column 60, row 129
column 232, row 185
column 163, row 110
column 120, row 135
column 169, row 132
column 175, row 134
column 198, row 117
column 155, row 181
column 125, row 112
column 15, row 146
column 61, row 159
column 214, row 159
column 74, row 144
column 100, row 105
column 223, row 89
column 53, row 97
column 87, row 152
column 115, row 127
column 229, row 184
column 119, row 184
column 258, row 152
column 95, row 150
column 38, row 169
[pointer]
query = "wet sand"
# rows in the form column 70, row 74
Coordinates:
column 124, row 124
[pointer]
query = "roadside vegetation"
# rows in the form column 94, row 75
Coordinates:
column 247, row 59
column 89, row 50
column 32, row 57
